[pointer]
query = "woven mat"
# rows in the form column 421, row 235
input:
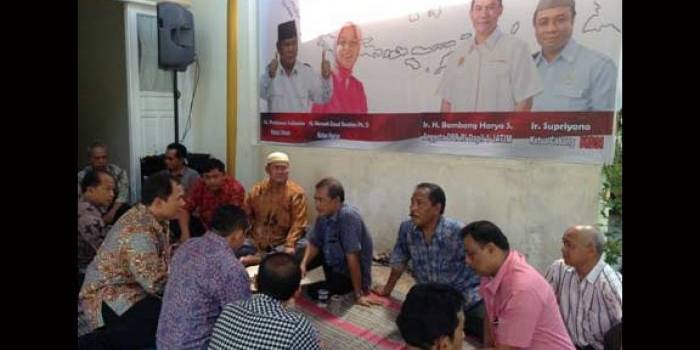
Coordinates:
column 345, row 325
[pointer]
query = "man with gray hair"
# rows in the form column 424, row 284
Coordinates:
column 97, row 156
column 588, row 290
column 575, row 78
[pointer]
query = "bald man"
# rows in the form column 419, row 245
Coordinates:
column 588, row 290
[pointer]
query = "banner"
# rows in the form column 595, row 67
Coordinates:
column 526, row 78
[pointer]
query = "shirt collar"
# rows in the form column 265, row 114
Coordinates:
column 108, row 168
column 492, row 40
column 216, row 239
column 158, row 225
column 439, row 228
column 295, row 68
column 568, row 53
column 179, row 173
column 597, row 269
column 335, row 215
column 266, row 299
column 494, row 283
column 83, row 202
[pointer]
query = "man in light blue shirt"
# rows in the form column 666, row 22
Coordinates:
column 575, row 77
column 291, row 86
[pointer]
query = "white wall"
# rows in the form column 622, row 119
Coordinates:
column 532, row 201
column 102, row 90
column 209, row 111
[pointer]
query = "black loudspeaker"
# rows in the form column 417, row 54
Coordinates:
column 175, row 36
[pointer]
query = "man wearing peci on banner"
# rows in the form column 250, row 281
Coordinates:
column 289, row 85
column 575, row 77
column 492, row 71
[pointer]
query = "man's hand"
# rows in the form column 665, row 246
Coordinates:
column 302, row 266
column 381, row 290
column 325, row 65
column 272, row 67
column 289, row 250
column 367, row 301
column 249, row 260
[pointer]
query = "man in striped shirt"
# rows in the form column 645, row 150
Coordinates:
column 588, row 290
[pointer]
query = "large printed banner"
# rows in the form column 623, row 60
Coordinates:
column 528, row 78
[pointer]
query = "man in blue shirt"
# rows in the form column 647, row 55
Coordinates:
column 433, row 244
column 575, row 77
column 341, row 239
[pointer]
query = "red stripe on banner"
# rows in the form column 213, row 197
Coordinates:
column 306, row 127
column 348, row 327
column 519, row 125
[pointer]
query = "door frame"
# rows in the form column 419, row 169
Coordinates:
column 136, row 146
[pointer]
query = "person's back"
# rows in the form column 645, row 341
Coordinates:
column 204, row 276
column 263, row 322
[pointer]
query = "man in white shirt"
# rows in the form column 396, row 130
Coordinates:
column 588, row 290
column 289, row 85
column 492, row 72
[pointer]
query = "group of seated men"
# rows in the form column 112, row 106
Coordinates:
column 146, row 286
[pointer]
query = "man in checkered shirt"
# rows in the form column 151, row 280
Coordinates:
column 263, row 322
